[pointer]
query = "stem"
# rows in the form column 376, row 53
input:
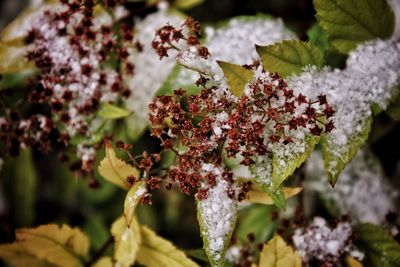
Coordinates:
column 100, row 252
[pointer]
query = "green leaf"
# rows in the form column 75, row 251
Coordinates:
column 394, row 113
column 132, row 200
column 180, row 77
column 217, row 215
column 15, row 80
column 256, row 219
column 317, row 36
column 278, row 197
column 349, row 23
column 237, row 76
column 336, row 158
column 376, row 109
column 380, row 249
column 262, row 177
column 127, row 241
column 155, row 251
column 108, row 111
column 20, row 174
column 284, row 165
column 187, row 4
column 97, row 135
column 278, row 254
column 59, row 246
column 115, row 170
column 13, row 59
column 198, row 254
column 96, row 229
column 289, row 57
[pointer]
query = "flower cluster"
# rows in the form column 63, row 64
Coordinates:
column 34, row 131
column 168, row 37
column 270, row 104
column 72, row 48
column 323, row 244
column 243, row 253
column 370, row 78
column 209, row 125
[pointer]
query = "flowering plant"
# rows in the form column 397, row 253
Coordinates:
column 238, row 116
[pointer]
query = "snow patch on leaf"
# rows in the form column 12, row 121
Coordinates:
column 371, row 77
column 217, row 218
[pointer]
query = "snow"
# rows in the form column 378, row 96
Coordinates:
column 362, row 189
column 320, row 241
column 235, row 43
column 371, row 76
column 150, row 72
column 218, row 214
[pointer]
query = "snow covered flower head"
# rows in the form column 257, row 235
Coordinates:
column 324, row 244
column 71, row 45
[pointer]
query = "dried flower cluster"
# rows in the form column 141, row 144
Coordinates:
column 211, row 124
column 34, row 131
column 72, row 50
column 168, row 37
column 323, row 244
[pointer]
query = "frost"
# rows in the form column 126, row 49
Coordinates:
column 371, row 76
column 362, row 190
column 218, row 215
column 150, row 72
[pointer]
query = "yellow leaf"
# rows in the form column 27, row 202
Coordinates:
column 104, row 262
column 47, row 245
column 187, row 4
column 278, row 254
column 127, row 241
column 158, row 252
column 16, row 256
column 24, row 22
column 13, row 59
column 261, row 197
column 115, row 170
column 131, row 201
column 352, row 262
column 236, row 76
